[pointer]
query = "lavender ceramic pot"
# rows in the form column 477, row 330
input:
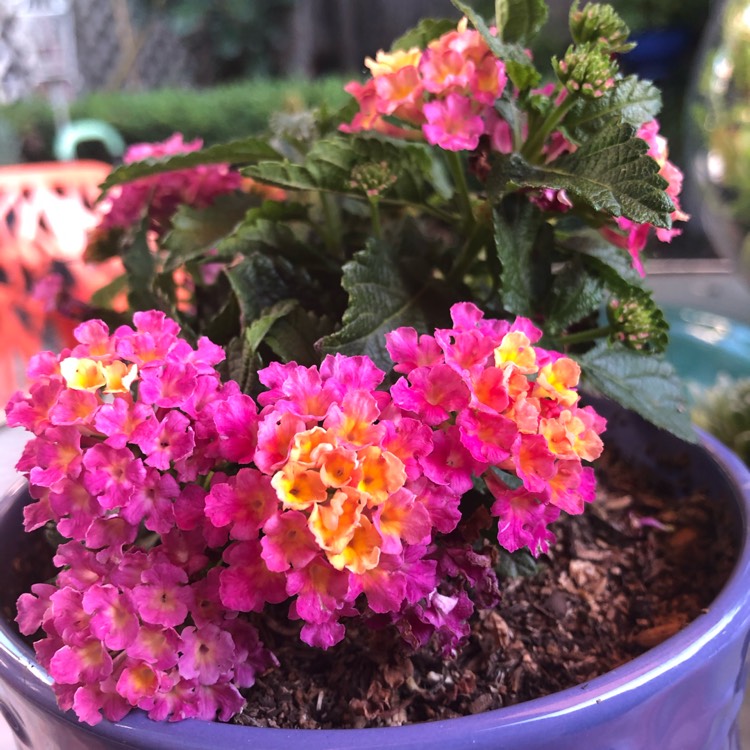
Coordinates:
column 684, row 694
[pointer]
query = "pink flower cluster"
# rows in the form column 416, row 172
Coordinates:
column 187, row 510
column 156, row 198
column 447, row 90
column 125, row 434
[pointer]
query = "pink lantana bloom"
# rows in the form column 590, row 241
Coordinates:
column 452, row 124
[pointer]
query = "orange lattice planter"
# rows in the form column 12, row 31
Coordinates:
column 46, row 210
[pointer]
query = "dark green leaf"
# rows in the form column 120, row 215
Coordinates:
column 245, row 151
column 638, row 320
column 196, row 230
column 423, row 33
column 612, row 264
column 520, row 20
column 381, row 297
column 576, row 294
column 294, row 337
column 257, row 330
column 241, row 364
column 629, row 101
column 257, row 284
column 645, row 383
column 516, row 564
column 140, row 267
column 523, row 241
column 610, row 173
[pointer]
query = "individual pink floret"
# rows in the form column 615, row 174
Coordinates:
column 163, row 597
column 452, row 124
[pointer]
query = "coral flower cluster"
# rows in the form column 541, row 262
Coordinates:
column 448, row 90
column 188, row 510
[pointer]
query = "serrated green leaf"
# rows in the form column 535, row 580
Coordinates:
column 284, row 174
column 630, row 100
column 196, row 230
column 576, row 294
column 519, row 67
column 267, row 228
column 613, row 267
column 612, row 264
column 245, row 151
column 328, row 167
column 523, row 241
column 645, row 383
column 610, row 173
column 520, row 20
column 381, row 297
column 294, row 337
column 241, row 364
column 257, row 330
column 423, row 33
column 258, row 285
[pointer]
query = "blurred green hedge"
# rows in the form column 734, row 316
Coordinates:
column 213, row 114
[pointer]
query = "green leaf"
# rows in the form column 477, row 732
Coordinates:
column 520, row 69
column 630, row 101
column 329, row 164
column 241, row 364
column 196, row 230
column 612, row 264
column 294, row 337
column 645, row 383
column 257, row 330
column 523, row 241
column 381, row 297
column 638, row 321
column 103, row 296
column 575, row 295
column 423, row 33
column 245, row 151
column 520, row 563
column 140, row 268
column 258, row 285
column 520, row 20
column 610, row 173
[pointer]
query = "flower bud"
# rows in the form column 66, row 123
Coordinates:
column 372, row 178
column 599, row 24
column 638, row 323
column 586, row 69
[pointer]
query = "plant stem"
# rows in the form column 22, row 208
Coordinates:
column 532, row 149
column 377, row 229
column 462, row 187
column 466, row 256
column 581, row 337
column 332, row 230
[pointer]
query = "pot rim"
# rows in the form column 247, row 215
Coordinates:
column 613, row 692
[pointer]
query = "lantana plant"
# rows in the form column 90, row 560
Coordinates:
column 348, row 382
